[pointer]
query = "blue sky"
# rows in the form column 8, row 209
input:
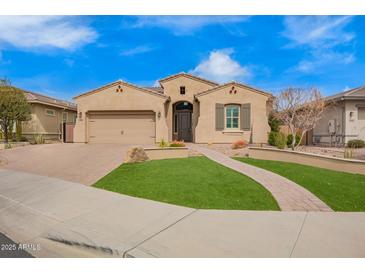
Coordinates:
column 65, row 56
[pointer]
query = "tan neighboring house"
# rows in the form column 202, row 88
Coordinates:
column 47, row 116
column 343, row 119
column 184, row 107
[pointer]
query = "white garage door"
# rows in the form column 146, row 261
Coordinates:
column 122, row 128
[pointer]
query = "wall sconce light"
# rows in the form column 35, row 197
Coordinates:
column 352, row 116
column 159, row 115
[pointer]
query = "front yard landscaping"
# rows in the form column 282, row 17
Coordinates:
column 195, row 182
column 339, row 190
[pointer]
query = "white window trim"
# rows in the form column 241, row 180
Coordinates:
column 232, row 129
column 48, row 109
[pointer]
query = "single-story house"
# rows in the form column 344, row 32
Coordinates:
column 343, row 119
column 184, row 107
column 47, row 116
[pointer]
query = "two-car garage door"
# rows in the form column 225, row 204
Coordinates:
column 122, row 128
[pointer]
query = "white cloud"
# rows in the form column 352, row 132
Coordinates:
column 317, row 31
column 323, row 58
column 40, row 32
column 220, row 67
column 185, row 25
column 321, row 36
column 137, row 50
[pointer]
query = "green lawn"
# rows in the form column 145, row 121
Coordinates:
column 195, row 182
column 341, row 191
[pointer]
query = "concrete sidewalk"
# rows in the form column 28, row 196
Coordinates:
column 72, row 220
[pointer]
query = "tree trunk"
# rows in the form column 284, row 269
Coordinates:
column 6, row 133
column 293, row 132
column 301, row 138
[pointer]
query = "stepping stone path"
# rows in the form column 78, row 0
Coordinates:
column 289, row 195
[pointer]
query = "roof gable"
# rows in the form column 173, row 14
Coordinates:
column 187, row 75
column 352, row 93
column 120, row 82
column 236, row 84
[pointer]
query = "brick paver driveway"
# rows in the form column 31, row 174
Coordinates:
column 81, row 163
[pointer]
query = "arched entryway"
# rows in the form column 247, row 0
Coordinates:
column 182, row 121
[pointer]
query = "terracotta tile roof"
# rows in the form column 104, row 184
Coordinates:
column 118, row 82
column 189, row 76
column 346, row 94
column 237, row 84
column 34, row 97
column 156, row 89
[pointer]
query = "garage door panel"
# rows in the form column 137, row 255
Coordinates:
column 122, row 128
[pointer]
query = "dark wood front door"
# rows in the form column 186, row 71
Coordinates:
column 184, row 126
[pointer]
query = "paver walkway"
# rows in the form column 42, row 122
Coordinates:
column 289, row 195
column 64, row 219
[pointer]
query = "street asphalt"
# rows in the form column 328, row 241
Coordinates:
column 64, row 219
column 10, row 249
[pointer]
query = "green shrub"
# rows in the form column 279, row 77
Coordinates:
column 23, row 139
column 290, row 139
column 274, row 123
column 272, row 138
column 356, row 143
column 8, row 146
column 163, row 144
column 18, row 132
column 280, row 141
column 38, row 139
column 177, row 144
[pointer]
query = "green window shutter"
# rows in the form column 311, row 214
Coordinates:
column 219, row 116
column 246, row 117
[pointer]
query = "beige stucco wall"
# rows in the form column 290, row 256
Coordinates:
column 337, row 164
column 130, row 99
column 355, row 128
column 40, row 123
column 192, row 87
column 205, row 130
column 333, row 111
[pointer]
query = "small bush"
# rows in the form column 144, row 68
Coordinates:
column 177, row 144
column 289, row 139
column 280, row 141
column 356, row 143
column 348, row 153
column 272, row 138
column 163, row 144
column 38, row 139
column 23, row 139
column 274, row 123
column 239, row 144
column 18, row 134
column 8, row 146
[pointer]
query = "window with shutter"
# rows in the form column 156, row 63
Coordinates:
column 219, row 116
column 246, row 117
column 232, row 116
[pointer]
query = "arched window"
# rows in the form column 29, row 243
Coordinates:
column 232, row 116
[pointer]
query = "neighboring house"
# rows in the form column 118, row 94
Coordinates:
column 47, row 116
column 184, row 107
column 343, row 119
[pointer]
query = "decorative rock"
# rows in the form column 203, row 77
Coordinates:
column 136, row 155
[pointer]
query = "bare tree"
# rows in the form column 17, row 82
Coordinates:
column 299, row 109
